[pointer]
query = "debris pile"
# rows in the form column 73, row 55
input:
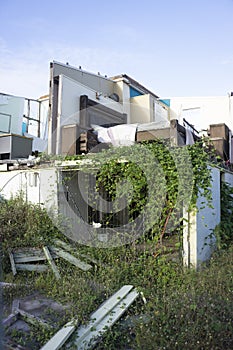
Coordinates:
column 29, row 259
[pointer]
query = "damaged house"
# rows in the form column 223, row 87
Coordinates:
column 84, row 113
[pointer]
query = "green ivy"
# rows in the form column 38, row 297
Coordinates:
column 151, row 175
column 224, row 230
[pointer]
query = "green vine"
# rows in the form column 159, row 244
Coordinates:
column 224, row 230
column 152, row 175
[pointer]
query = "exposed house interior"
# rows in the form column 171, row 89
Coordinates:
column 84, row 109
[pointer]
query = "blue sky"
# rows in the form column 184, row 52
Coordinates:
column 175, row 48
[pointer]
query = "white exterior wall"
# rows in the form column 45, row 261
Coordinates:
column 228, row 178
column 11, row 183
column 69, row 100
column 122, row 89
column 141, row 109
column 160, row 112
column 44, row 114
column 39, row 186
column 208, row 110
column 13, row 106
column 197, row 243
column 146, row 109
column 69, row 104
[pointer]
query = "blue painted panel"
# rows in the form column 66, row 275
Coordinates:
column 24, row 128
column 166, row 102
column 134, row 92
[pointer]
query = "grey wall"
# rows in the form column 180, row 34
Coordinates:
column 96, row 82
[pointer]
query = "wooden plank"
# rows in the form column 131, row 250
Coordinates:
column 15, row 306
column 25, row 259
column 13, row 267
column 12, row 318
column 110, row 303
column 27, row 251
column 51, row 262
column 60, row 337
column 64, row 245
column 87, row 336
column 70, row 258
column 28, row 255
column 70, row 249
column 105, row 317
column 100, row 317
column 32, row 319
column 32, row 267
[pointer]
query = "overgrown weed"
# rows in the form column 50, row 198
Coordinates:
column 185, row 309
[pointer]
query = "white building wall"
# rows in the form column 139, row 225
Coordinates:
column 69, row 104
column 11, row 114
column 203, row 111
column 208, row 219
column 141, row 109
column 69, row 100
column 146, row 109
column 228, row 178
column 38, row 186
column 198, row 244
column 44, row 114
column 160, row 112
column 121, row 88
column 11, row 183
column 41, row 186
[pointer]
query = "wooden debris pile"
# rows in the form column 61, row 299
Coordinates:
column 72, row 334
column 34, row 259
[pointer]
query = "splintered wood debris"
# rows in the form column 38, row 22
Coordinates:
column 51, row 262
column 29, row 259
column 86, row 336
column 17, row 313
column 26, row 312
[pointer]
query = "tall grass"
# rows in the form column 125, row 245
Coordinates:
column 185, row 309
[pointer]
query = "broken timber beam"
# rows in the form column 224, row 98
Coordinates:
column 12, row 318
column 60, row 337
column 105, row 317
column 70, row 249
column 34, row 320
column 15, row 305
column 71, row 259
column 51, row 262
column 31, row 267
column 12, row 261
column 25, row 255
column 101, row 320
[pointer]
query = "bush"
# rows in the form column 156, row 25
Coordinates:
column 24, row 224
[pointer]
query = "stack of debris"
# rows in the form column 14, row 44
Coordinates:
column 29, row 259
